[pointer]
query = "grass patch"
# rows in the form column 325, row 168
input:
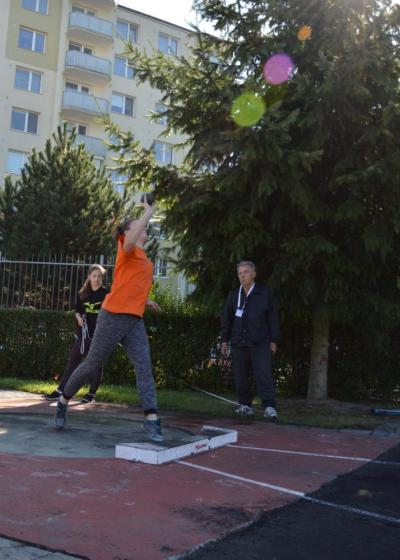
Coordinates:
column 325, row 414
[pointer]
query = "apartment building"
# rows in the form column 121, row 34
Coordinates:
column 62, row 62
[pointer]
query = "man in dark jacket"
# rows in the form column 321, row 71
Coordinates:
column 250, row 323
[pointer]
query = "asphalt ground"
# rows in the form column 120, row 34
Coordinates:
column 280, row 492
column 310, row 531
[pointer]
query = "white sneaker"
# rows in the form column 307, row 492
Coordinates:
column 271, row 413
column 245, row 410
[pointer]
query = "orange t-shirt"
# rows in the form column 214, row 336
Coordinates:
column 133, row 276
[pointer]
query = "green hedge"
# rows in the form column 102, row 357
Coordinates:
column 183, row 340
column 362, row 365
column 35, row 344
column 365, row 364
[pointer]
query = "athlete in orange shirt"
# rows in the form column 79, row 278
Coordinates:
column 121, row 320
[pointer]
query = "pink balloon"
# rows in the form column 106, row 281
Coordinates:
column 278, row 69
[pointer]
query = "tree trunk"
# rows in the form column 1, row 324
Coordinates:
column 318, row 377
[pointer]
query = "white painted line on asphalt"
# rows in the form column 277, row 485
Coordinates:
column 323, row 455
column 243, row 479
column 363, row 512
column 358, row 511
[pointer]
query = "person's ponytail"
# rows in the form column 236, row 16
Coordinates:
column 122, row 227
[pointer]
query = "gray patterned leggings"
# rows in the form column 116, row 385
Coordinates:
column 130, row 331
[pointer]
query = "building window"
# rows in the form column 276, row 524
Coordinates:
column 126, row 31
column 79, row 48
column 167, row 44
column 161, row 268
column 118, row 180
column 25, row 121
column 80, row 129
column 123, row 68
column 162, row 119
column 31, row 40
column 81, row 10
column 16, row 161
column 28, row 80
column 122, row 104
column 40, row 6
column 163, row 152
column 74, row 86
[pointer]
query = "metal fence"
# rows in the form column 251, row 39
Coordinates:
column 49, row 282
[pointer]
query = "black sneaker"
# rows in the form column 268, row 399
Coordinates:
column 52, row 396
column 152, row 428
column 88, row 399
column 60, row 416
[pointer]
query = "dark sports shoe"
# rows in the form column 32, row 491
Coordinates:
column 152, row 428
column 52, row 396
column 60, row 416
column 88, row 399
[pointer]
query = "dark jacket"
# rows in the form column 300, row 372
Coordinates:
column 259, row 323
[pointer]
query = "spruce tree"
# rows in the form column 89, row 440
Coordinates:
column 61, row 204
column 310, row 192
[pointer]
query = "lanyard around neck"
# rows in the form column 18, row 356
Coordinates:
column 245, row 299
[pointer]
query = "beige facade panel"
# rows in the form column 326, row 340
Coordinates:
column 149, row 30
column 21, row 19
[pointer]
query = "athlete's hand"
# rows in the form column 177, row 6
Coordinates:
column 273, row 347
column 224, row 348
column 153, row 305
column 79, row 319
column 147, row 207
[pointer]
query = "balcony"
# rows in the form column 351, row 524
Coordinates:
column 77, row 105
column 82, row 67
column 102, row 3
column 85, row 28
column 93, row 145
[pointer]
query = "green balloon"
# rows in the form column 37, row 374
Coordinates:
column 247, row 109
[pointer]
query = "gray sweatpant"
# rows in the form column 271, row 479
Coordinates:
column 112, row 328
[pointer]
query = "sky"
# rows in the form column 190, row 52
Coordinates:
column 175, row 11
